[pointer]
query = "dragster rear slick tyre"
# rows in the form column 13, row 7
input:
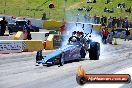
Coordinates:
column 94, row 51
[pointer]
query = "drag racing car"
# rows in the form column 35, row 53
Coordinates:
column 77, row 48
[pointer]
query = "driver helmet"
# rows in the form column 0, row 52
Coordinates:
column 78, row 33
column 73, row 39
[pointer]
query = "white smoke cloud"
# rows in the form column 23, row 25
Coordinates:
column 71, row 26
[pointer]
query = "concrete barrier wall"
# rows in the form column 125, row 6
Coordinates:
column 10, row 46
column 38, row 36
column 52, row 25
column 32, row 45
column 10, row 37
column 130, row 31
column 96, row 27
column 35, row 36
column 19, row 36
column 53, row 42
column 49, row 42
column 14, row 46
column 57, row 41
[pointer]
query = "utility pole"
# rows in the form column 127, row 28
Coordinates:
column 5, row 2
column 65, row 3
column 27, row 12
column 5, row 7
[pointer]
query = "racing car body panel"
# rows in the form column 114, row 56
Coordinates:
column 71, row 52
column 50, row 56
column 54, row 54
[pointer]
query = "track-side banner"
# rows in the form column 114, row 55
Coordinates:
column 10, row 46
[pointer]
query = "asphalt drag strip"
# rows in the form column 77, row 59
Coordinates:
column 21, row 71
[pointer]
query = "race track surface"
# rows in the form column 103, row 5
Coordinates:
column 20, row 70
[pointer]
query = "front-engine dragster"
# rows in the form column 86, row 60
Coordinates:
column 79, row 44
